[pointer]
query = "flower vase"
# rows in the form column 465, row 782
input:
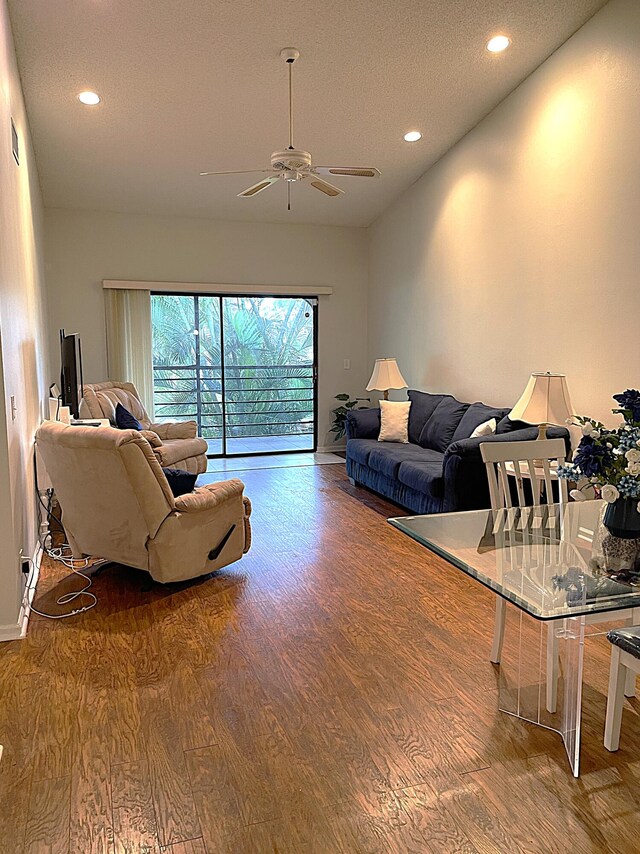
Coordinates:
column 621, row 518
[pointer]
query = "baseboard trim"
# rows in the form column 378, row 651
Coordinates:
column 331, row 449
column 18, row 630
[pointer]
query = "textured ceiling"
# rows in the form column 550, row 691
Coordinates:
column 198, row 84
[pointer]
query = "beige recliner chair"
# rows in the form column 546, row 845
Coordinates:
column 176, row 444
column 116, row 504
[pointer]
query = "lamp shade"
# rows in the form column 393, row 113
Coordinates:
column 386, row 375
column 545, row 400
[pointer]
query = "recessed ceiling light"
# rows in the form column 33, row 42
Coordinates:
column 498, row 43
column 412, row 136
column 89, row 98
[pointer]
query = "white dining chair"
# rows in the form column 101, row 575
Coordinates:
column 625, row 663
column 509, row 465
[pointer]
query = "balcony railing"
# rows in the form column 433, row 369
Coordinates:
column 252, row 401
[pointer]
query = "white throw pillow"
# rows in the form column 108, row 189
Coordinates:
column 394, row 421
column 485, row 429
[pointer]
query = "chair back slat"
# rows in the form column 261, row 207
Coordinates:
column 505, row 461
column 505, row 490
column 519, row 488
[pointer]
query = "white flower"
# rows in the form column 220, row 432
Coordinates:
column 577, row 495
column 595, row 434
column 609, row 493
column 609, row 445
column 638, row 507
column 587, row 428
column 633, row 469
column 633, row 455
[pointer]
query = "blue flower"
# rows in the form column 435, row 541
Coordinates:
column 629, row 401
column 629, row 487
column 592, row 458
column 629, row 438
column 569, row 472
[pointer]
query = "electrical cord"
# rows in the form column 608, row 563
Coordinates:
column 66, row 598
column 61, row 554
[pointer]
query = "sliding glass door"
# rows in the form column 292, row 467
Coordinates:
column 243, row 367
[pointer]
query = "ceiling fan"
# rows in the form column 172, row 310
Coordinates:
column 294, row 164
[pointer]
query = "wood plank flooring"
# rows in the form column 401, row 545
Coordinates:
column 329, row 693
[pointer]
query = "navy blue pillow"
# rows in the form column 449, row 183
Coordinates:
column 180, row 481
column 476, row 415
column 125, row 420
column 437, row 433
column 423, row 405
column 508, row 426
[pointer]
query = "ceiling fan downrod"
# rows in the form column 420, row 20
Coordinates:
column 290, row 55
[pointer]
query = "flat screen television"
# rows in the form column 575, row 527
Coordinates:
column 71, row 381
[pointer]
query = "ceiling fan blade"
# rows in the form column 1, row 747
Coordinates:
column 324, row 186
column 258, row 188
column 243, row 172
column 354, row 171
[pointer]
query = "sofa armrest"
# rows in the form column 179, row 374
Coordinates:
column 209, row 528
column 465, row 474
column 208, row 497
column 363, row 423
column 175, row 429
column 470, row 448
column 152, row 438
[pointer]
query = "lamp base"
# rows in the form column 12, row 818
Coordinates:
column 542, row 431
column 385, row 394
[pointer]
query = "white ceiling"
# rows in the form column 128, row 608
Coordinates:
column 198, row 84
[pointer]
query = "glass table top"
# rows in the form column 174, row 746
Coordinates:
column 546, row 560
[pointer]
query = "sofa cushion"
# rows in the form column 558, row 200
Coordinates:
column 359, row 449
column 180, row 482
column 394, row 415
column 388, row 458
column 423, row 476
column 437, row 433
column 125, row 420
column 475, row 415
column 506, row 425
column 423, row 406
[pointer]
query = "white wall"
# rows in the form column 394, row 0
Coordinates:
column 84, row 248
column 22, row 331
column 520, row 249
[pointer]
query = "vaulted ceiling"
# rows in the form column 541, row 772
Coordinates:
column 198, row 84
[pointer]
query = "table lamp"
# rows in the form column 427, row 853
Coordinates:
column 386, row 375
column 544, row 401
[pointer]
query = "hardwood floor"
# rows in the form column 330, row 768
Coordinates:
column 329, row 693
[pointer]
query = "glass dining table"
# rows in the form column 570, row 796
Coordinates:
column 547, row 561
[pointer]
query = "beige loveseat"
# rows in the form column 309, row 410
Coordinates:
column 116, row 504
column 176, row 444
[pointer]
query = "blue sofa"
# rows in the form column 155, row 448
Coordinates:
column 440, row 470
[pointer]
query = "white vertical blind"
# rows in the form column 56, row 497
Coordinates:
column 129, row 341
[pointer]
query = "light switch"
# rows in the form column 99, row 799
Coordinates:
column 347, row 364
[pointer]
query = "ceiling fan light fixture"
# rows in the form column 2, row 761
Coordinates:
column 412, row 136
column 497, row 44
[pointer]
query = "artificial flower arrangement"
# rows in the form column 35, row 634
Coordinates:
column 607, row 461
